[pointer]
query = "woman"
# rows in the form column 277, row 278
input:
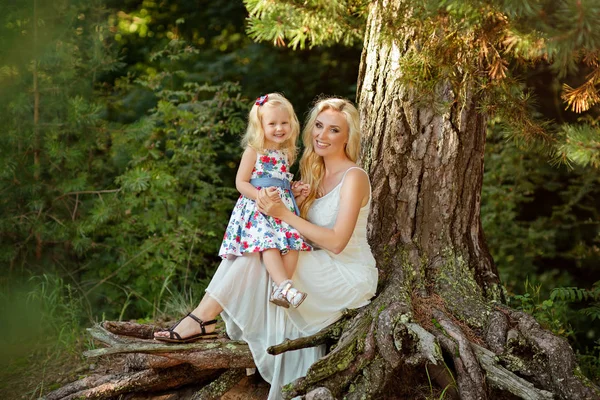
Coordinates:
column 340, row 275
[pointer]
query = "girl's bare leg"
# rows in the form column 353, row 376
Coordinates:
column 207, row 310
column 290, row 262
column 274, row 265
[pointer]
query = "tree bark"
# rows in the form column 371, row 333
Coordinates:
column 426, row 165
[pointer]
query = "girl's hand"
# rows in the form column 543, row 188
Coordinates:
column 297, row 187
column 269, row 203
column 300, row 190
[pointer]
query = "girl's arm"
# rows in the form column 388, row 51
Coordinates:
column 354, row 194
column 244, row 172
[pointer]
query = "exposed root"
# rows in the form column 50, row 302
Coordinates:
column 221, row 385
column 496, row 332
column 501, row 378
column 326, row 335
column 386, row 337
column 335, row 371
column 320, row 394
column 553, row 362
column 470, row 379
column 424, row 308
column 378, row 346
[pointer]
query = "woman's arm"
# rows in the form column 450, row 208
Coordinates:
column 354, row 194
column 244, row 172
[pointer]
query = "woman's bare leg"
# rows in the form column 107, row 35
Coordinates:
column 207, row 310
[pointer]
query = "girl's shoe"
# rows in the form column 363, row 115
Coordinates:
column 277, row 296
column 285, row 295
column 174, row 337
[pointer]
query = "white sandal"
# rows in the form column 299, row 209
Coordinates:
column 285, row 295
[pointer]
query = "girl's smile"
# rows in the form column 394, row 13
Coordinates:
column 276, row 125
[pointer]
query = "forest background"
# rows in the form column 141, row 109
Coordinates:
column 120, row 136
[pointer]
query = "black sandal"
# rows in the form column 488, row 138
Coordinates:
column 174, row 337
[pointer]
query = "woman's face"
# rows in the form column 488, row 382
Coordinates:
column 330, row 133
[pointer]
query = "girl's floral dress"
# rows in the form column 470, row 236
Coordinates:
column 251, row 231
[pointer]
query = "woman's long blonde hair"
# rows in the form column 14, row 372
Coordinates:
column 255, row 135
column 312, row 167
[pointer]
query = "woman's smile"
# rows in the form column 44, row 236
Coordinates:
column 330, row 133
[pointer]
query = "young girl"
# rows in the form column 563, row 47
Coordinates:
column 270, row 143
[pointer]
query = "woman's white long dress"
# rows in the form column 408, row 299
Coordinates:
column 334, row 282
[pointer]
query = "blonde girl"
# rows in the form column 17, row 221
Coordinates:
column 270, row 148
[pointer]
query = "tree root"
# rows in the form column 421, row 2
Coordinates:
column 501, row 378
column 329, row 334
column 378, row 346
column 552, row 364
column 377, row 350
column 320, row 394
column 334, row 371
column 471, row 382
column 221, row 385
column 496, row 332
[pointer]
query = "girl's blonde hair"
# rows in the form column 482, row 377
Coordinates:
column 312, row 167
column 255, row 135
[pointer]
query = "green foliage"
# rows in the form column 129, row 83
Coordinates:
column 574, row 294
column 542, row 224
column 53, row 130
column 43, row 322
column 538, row 219
column 580, row 144
column 62, row 311
column 225, row 53
column 589, row 362
column 312, row 23
column 125, row 211
column 161, row 229
column 550, row 314
column 555, row 314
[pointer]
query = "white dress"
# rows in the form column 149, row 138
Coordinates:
column 333, row 282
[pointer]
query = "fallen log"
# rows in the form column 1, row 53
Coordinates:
column 141, row 365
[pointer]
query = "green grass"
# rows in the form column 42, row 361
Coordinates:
column 42, row 320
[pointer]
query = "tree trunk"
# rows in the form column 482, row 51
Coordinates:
column 426, row 165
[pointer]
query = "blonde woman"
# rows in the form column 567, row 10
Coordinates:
column 339, row 275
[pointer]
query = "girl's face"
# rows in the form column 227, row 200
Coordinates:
column 330, row 133
column 276, row 125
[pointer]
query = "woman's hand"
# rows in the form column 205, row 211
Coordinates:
column 269, row 203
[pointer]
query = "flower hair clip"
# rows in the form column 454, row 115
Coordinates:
column 262, row 100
